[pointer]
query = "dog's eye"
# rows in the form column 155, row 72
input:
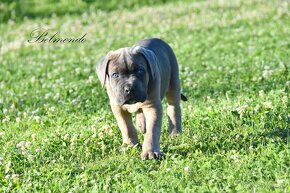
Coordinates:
column 115, row 75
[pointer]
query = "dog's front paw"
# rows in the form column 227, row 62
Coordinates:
column 131, row 142
column 137, row 145
column 174, row 133
column 151, row 155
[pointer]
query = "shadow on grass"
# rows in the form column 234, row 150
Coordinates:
column 278, row 137
column 282, row 133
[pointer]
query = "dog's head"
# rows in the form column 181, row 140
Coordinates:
column 126, row 73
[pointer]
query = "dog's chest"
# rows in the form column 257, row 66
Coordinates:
column 132, row 108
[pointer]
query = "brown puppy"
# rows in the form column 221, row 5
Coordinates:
column 137, row 78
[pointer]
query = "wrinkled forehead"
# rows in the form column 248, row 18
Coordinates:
column 124, row 60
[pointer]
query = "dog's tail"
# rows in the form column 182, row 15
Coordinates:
column 183, row 98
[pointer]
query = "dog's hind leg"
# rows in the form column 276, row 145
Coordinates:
column 173, row 97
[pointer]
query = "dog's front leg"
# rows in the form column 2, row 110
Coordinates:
column 124, row 119
column 151, row 144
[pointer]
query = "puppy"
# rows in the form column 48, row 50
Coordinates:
column 137, row 78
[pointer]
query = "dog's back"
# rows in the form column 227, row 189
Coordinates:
column 167, row 63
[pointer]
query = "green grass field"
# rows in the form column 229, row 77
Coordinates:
column 57, row 132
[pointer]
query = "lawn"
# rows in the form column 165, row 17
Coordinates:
column 58, row 134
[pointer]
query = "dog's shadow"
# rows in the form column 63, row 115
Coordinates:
column 278, row 136
column 282, row 133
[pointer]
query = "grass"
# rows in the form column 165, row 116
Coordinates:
column 18, row 10
column 57, row 132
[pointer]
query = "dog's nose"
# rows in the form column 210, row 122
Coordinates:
column 129, row 89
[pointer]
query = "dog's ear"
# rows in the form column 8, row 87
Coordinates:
column 149, row 56
column 102, row 67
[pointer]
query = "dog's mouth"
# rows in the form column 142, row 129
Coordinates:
column 130, row 102
column 134, row 100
